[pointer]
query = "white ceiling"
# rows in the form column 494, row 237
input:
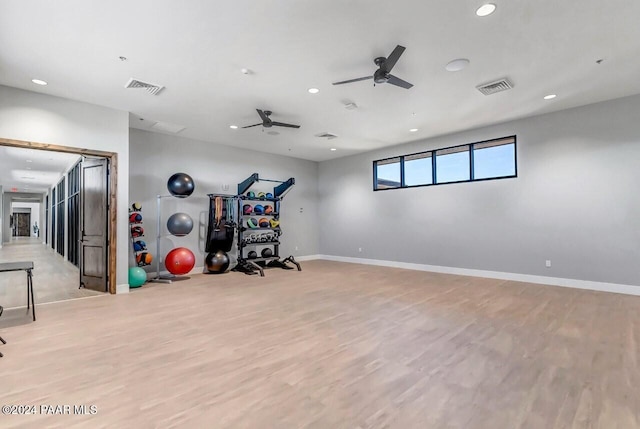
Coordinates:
column 32, row 170
column 196, row 49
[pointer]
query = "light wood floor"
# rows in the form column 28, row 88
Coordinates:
column 334, row 346
column 54, row 278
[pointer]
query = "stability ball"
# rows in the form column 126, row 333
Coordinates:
column 180, row 261
column 217, row 262
column 137, row 277
column 180, row 224
column 180, row 185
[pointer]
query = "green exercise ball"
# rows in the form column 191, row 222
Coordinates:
column 137, row 277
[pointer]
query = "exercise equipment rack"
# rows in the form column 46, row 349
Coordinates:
column 249, row 266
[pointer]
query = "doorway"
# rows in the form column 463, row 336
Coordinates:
column 63, row 215
column 22, row 224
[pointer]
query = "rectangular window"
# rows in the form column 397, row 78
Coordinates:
column 495, row 158
column 453, row 165
column 388, row 173
column 418, row 169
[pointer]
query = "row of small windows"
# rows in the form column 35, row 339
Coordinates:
column 493, row 159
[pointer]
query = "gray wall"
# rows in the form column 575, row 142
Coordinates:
column 575, row 202
column 41, row 118
column 155, row 157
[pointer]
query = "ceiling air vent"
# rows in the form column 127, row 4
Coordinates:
column 152, row 88
column 326, row 135
column 495, row 86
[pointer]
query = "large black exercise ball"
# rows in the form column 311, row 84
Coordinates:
column 217, row 262
column 179, row 224
column 180, row 185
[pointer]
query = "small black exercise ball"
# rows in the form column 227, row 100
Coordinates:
column 267, row 253
column 180, row 185
column 180, row 224
column 217, row 262
column 252, row 254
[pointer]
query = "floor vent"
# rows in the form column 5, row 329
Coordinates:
column 496, row 86
column 152, row 88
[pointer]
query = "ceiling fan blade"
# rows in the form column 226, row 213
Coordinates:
column 399, row 82
column 264, row 117
column 393, row 57
column 249, row 126
column 353, row 80
column 281, row 124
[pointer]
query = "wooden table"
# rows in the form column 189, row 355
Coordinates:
column 28, row 267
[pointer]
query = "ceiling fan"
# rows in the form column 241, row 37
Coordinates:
column 383, row 74
column 268, row 123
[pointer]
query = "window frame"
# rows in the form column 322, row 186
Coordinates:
column 432, row 154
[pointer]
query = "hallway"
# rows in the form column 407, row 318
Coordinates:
column 54, row 278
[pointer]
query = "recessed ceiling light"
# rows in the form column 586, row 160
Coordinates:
column 28, row 160
column 333, row 149
column 486, row 9
column 38, row 82
column 457, row 65
column 313, row 90
column 549, row 97
column 233, row 127
column 245, row 71
column 413, row 130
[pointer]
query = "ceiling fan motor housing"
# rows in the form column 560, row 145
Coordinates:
column 380, row 76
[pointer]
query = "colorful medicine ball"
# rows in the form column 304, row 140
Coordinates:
column 252, row 254
column 261, row 195
column 247, row 209
column 258, row 209
column 180, row 261
column 263, row 222
column 136, row 207
column 137, row 231
column 144, row 258
column 135, row 218
column 273, row 223
column 251, row 194
column 267, row 253
column 268, row 209
column 252, row 223
column 269, row 195
column 137, row 246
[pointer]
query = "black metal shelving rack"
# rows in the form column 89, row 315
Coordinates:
column 244, row 232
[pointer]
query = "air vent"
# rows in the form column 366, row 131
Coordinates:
column 167, row 127
column 326, row 135
column 496, row 86
column 151, row 88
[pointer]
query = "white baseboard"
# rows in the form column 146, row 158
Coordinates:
column 526, row 278
column 123, row 288
column 308, row 257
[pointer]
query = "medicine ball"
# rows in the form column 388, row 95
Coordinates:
column 179, row 224
column 258, row 209
column 180, row 185
column 137, row 246
column 251, row 194
column 267, row 252
column 263, row 222
column 136, row 207
column 273, row 223
column 268, row 209
column 269, row 195
column 143, row 245
column 217, row 262
column 252, row 223
column 261, row 195
column 252, row 254
column 144, row 258
column 137, row 231
column 135, row 218
column 247, row 209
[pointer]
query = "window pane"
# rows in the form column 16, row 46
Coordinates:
column 417, row 169
column 388, row 173
column 494, row 161
column 452, row 165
